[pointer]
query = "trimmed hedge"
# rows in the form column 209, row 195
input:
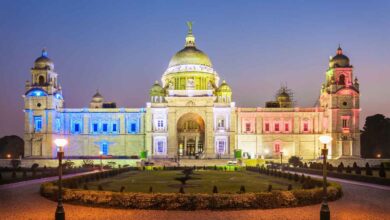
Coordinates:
column 184, row 201
column 347, row 176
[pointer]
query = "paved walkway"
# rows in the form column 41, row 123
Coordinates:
column 360, row 201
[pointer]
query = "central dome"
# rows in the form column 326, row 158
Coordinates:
column 190, row 55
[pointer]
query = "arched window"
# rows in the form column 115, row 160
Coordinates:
column 41, row 80
column 342, row 79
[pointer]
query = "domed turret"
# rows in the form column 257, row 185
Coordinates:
column 224, row 92
column 97, row 100
column 44, row 62
column 157, row 92
column 339, row 60
column 283, row 97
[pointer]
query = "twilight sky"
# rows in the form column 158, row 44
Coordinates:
column 122, row 47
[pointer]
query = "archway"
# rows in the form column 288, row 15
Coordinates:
column 191, row 135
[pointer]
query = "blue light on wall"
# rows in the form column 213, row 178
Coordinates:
column 38, row 123
column 58, row 96
column 36, row 93
column 104, row 148
column 58, row 124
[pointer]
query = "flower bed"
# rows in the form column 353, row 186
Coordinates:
column 185, row 201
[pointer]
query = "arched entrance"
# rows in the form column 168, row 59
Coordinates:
column 190, row 130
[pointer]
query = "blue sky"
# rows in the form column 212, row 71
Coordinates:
column 122, row 47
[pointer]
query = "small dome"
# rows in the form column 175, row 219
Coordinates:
column 157, row 90
column 97, row 98
column 224, row 87
column 283, row 97
column 339, row 60
column 44, row 62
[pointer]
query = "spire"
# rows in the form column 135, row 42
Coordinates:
column 190, row 38
column 339, row 50
column 44, row 52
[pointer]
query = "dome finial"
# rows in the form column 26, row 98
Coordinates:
column 190, row 39
column 339, row 50
column 44, row 52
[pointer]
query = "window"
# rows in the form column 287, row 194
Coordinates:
column 38, row 123
column 114, row 128
column 277, row 147
column 267, row 126
column 277, row 127
column 286, row 127
column 95, row 127
column 41, row 80
column 58, row 125
column 104, row 149
column 133, row 127
column 160, row 124
column 342, row 79
column 160, row 147
column 221, row 147
column 105, row 127
column 221, row 123
column 305, row 126
column 248, row 127
column 345, row 123
column 76, row 127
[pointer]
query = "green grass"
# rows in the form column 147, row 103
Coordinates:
column 164, row 182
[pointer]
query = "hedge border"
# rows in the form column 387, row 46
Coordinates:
column 188, row 201
column 355, row 177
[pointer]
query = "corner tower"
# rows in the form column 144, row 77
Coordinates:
column 340, row 98
column 42, row 100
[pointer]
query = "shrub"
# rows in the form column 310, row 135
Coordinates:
column 242, row 189
column 348, row 170
column 100, row 188
column 368, row 170
column 340, row 168
column 68, row 164
column 24, row 174
column 122, row 189
column 296, row 177
column 1, row 176
column 358, row 170
column 215, row 189
column 14, row 174
column 295, row 161
column 354, row 166
column 34, row 168
column 289, row 188
column 15, row 163
column 305, row 165
column 181, row 190
column 382, row 171
column 85, row 186
column 302, row 179
column 269, row 187
column 87, row 164
column 150, row 189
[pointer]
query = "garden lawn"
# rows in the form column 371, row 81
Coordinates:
column 202, row 182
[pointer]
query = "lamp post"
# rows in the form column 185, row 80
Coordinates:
column 60, row 143
column 325, row 212
column 281, row 160
column 101, row 160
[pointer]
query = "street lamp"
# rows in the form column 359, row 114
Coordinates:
column 101, row 160
column 281, row 160
column 60, row 143
column 8, row 156
column 325, row 212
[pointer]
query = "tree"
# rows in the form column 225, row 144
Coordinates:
column 382, row 171
column 368, row 170
column 375, row 137
column 12, row 145
column 295, row 161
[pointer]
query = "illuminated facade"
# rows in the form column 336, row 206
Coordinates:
column 192, row 114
